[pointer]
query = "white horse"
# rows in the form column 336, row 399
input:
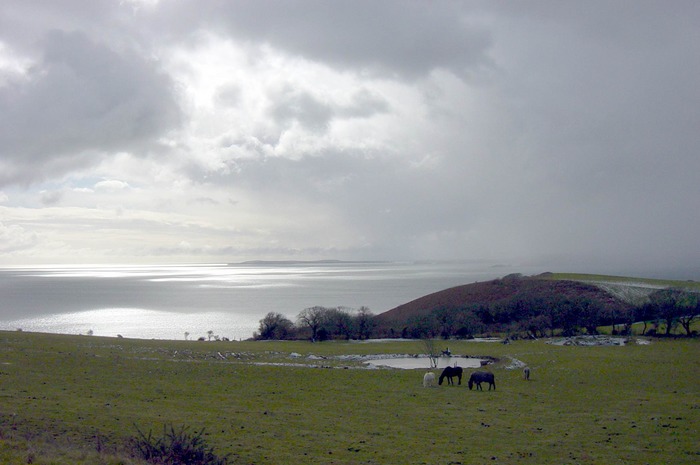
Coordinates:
column 429, row 379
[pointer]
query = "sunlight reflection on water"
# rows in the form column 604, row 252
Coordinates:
column 409, row 363
column 165, row 301
column 138, row 323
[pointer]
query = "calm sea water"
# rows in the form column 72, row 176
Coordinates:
column 165, row 302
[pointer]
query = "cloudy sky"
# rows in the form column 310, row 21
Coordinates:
column 539, row 132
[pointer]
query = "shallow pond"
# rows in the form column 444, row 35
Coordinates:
column 410, row 363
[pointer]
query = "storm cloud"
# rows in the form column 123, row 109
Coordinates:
column 560, row 134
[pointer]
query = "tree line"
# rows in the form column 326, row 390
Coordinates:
column 526, row 315
column 319, row 324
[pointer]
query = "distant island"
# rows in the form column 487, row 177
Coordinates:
column 302, row 262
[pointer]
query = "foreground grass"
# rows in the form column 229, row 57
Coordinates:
column 76, row 400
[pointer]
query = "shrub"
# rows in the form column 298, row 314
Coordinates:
column 176, row 447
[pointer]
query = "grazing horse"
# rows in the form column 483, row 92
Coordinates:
column 479, row 377
column 451, row 372
column 526, row 373
column 429, row 379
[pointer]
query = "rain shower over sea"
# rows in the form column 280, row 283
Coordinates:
column 165, row 302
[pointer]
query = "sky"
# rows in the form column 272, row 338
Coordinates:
column 553, row 133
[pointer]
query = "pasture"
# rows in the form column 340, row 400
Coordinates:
column 78, row 399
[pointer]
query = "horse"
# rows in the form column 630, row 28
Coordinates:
column 451, row 372
column 526, row 373
column 429, row 379
column 479, row 377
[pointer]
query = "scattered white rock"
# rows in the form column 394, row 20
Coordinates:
column 590, row 341
column 515, row 364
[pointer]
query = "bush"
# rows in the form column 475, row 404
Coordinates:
column 176, row 447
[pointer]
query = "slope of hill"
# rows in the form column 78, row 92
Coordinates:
column 499, row 291
column 634, row 291
column 542, row 305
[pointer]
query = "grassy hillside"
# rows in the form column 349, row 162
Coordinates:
column 623, row 280
column 629, row 289
column 63, row 397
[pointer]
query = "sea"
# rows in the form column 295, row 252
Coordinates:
column 214, row 300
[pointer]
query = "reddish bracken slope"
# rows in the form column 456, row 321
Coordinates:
column 498, row 290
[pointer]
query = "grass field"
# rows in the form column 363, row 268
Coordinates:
column 63, row 398
column 625, row 280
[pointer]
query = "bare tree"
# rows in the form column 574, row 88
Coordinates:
column 431, row 347
column 313, row 318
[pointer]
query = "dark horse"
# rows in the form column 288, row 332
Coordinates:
column 451, row 372
column 479, row 377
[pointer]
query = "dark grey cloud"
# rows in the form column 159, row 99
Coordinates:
column 364, row 104
column 80, row 100
column 405, row 38
column 23, row 24
column 295, row 105
column 390, row 200
column 292, row 105
column 553, row 131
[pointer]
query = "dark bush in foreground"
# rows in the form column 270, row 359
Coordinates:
column 176, row 447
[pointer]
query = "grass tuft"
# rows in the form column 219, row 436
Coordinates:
column 176, row 446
